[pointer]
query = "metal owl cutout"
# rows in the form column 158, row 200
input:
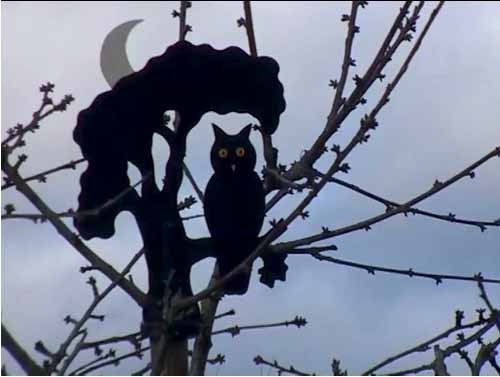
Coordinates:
column 118, row 127
column 234, row 204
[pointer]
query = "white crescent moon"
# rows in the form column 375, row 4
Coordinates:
column 114, row 59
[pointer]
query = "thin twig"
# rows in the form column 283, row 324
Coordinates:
column 41, row 177
column 115, row 361
column 465, row 356
column 183, row 29
column 281, row 369
column 219, row 359
column 70, row 214
column 20, row 355
column 270, row 153
column 485, row 353
column 20, row 131
column 438, row 278
column 133, row 338
column 464, row 342
column 10, row 215
column 182, row 20
column 191, row 179
column 286, row 182
column 187, row 218
column 485, row 298
column 422, row 347
column 277, row 197
column 235, row 330
column 363, row 84
column 249, row 28
column 76, row 329
column 388, row 203
column 348, row 60
column 76, row 350
column 313, row 250
column 226, row 314
column 111, row 353
column 494, row 364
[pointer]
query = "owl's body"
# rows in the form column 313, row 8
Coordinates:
column 234, row 204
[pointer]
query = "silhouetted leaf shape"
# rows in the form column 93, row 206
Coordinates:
column 119, row 124
column 274, row 268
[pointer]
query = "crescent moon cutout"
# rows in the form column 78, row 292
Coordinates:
column 114, row 59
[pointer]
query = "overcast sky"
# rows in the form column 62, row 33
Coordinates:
column 443, row 116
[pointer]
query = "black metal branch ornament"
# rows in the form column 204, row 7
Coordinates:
column 118, row 127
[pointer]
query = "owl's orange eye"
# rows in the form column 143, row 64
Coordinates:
column 223, row 153
column 240, row 152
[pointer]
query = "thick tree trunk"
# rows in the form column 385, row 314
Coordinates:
column 203, row 341
column 169, row 357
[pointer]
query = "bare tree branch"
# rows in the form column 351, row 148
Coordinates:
column 183, row 27
column 425, row 346
column 249, row 27
column 69, row 214
column 335, row 119
column 235, row 330
column 133, row 338
column 115, row 361
column 438, row 364
column 465, row 356
column 463, row 342
column 203, row 342
column 348, row 61
column 20, row 355
column 259, row 360
column 494, row 364
column 17, row 134
column 61, row 353
column 193, row 182
column 42, row 177
column 388, row 203
column 404, row 208
column 486, row 352
column 76, row 350
column 228, row 313
column 485, row 298
column 109, row 354
column 371, row 269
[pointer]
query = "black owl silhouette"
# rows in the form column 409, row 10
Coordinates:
column 234, row 204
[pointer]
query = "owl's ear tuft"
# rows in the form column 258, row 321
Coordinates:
column 218, row 132
column 245, row 132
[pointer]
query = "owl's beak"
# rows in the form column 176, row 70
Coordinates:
column 233, row 167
